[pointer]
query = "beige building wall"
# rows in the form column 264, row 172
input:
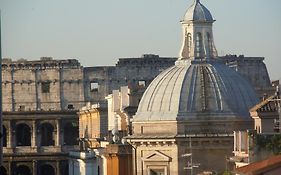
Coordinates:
column 93, row 123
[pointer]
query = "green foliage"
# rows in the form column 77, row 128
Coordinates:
column 270, row 143
column 226, row 173
column 274, row 144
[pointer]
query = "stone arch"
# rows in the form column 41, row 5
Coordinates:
column 71, row 133
column 22, row 170
column 23, row 135
column 46, row 169
column 47, row 134
column 64, row 167
column 3, row 171
column 198, row 45
column 4, row 131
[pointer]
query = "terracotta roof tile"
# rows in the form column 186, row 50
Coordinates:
column 261, row 166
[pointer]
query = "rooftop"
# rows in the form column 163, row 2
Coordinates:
column 261, row 166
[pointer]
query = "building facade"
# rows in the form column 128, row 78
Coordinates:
column 131, row 72
column 40, row 109
column 38, row 142
column 42, row 85
column 42, row 99
column 187, row 115
column 264, row 140
column 254, row 70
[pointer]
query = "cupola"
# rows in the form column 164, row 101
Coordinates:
column 198, row 40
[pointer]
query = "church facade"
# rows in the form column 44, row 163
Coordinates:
column 187, row 115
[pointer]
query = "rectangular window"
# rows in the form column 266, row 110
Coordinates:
column 141, row 83
column 45, row 87
column 70, row 106
column 94, row 86
column 157, row 172
column 22, row 108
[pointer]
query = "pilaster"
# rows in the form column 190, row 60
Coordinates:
column 9, row 135
column 33, row 134
column 58, row 134
column 34, row 167
column 57, row 167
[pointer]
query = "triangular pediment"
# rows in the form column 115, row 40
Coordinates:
column 157, row 156
column 267, row 105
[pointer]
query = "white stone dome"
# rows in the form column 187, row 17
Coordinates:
column 197, row 90
column 198, row 12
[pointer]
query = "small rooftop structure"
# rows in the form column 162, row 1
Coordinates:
column 270, row 166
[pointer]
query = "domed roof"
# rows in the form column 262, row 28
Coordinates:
column 198, row 12
column 191, row 90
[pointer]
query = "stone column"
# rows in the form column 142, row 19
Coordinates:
column 57, row 167
column 61, row 83
column 13, row 134
column 9, row 168
column 12, row 88
column 9, row 135
column 33, row 134
column 36, row 79
column 34, row 167
column 70, row 167
column 58, row 134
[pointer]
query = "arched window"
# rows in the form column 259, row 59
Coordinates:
column 23, row 135
column 198, row 45
column 71, row 133
column 64, row 168
column 3, row 171
column 46, row 131
column 47, row 170
column 23, row 170
column 189, row 44
column 210, row 44
column 4, row 136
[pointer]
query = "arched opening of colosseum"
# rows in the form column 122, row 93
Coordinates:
column 4, row 136
column 71, row 132
column 47, row 137
column 64, row 168
column 47, row 170
column 23, row 170
column 3, row 171
column 23, row 135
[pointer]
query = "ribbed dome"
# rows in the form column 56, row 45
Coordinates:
column 191, row 90
column 198, row 12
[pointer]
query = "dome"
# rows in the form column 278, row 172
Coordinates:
column 195, row 89
column 198, row 12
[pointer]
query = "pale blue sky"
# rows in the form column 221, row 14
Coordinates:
column 98, row 32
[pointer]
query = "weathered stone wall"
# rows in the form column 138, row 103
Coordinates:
column 253, row 69
column 51, row 135
column 103, row 77
column 70, row 84
column 42, row 85
column 127, row 72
